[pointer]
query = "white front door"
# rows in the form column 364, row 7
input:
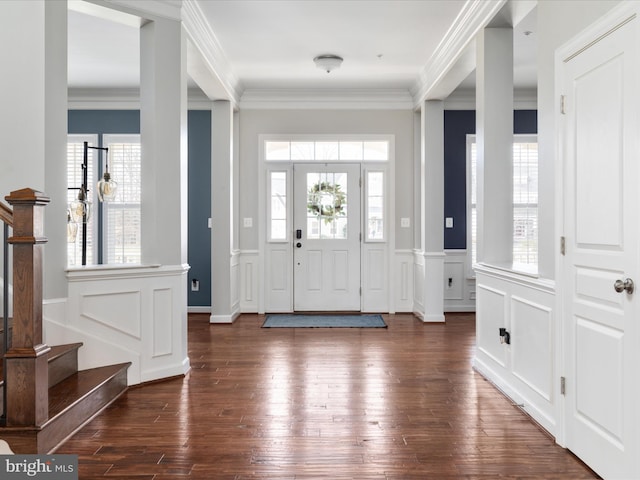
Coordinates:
column 601, row 153
column 326, row 240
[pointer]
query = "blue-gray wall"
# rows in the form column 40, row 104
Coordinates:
column 199, row 127
column 104, row 121
column 199, row 191
column 457, row 125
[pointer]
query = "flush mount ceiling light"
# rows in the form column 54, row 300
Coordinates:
column 328, row 62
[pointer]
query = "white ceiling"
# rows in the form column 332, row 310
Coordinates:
column 270, row 44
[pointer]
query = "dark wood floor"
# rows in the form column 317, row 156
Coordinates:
column 396, row 403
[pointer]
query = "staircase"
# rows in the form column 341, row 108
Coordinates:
column 44, row 397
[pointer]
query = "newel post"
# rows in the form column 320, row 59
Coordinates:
column 26, row 360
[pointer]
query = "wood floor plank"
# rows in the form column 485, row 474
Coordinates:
column 399, row 403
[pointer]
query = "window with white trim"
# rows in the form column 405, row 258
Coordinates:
column 278, row 218
column 525, row 200
column 323, row 151
column 121, row 216
column 374, row 205
column 113, row 230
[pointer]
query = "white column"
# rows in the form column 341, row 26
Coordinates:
column 33, row 118
column 432, row 225
column 163, row 137
column 163, row 129
column 494, row 139
column 221, row 212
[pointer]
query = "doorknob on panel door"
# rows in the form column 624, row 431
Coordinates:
column 622, row 285
column 298, row 245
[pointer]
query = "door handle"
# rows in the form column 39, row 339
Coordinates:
column 622, row 285
column 299, row 245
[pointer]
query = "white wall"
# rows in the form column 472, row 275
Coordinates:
column 33, row 95
column 529, row 369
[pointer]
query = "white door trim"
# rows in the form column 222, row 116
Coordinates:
column 381, row 297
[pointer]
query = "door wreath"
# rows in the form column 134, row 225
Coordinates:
column 326, row 200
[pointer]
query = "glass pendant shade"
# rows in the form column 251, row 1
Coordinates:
column 72, row 228
column 107, row 188
column 80, row 208
column 80, row 211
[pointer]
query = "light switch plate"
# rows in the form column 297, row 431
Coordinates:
column 209, row 222
column 449, row 222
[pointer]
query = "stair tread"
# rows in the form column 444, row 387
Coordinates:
column 68, row 392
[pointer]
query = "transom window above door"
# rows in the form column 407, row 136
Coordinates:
column 301, row 151
column 373, row 152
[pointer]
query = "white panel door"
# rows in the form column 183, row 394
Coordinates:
column 601, row 155
column 326, row 240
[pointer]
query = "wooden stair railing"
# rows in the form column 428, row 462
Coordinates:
column 46, row 398
column 26, row 360
column 6, row 217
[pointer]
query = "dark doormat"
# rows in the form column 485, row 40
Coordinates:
column 324, row 321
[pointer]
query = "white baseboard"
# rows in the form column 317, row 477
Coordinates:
column 224, row 318
column 196, row 309
column 459, row 308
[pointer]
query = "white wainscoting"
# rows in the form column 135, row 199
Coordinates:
column 375, row 277
column 401, row 292
column 249, row 275
column 128, row 314
column 235, row 284
column 459, row 287
column 418, row 283
column 278, row 278
column 403, row 281
column 525, row 370
column 428, row 271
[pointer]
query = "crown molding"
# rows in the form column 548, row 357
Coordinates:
column 169, row 9
column 475, row 15
column 205, row 40
column 103, row 99
column 123, row 99
column 324, row 99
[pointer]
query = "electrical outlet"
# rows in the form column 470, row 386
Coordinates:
column 247, row 222
column 195, row 285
